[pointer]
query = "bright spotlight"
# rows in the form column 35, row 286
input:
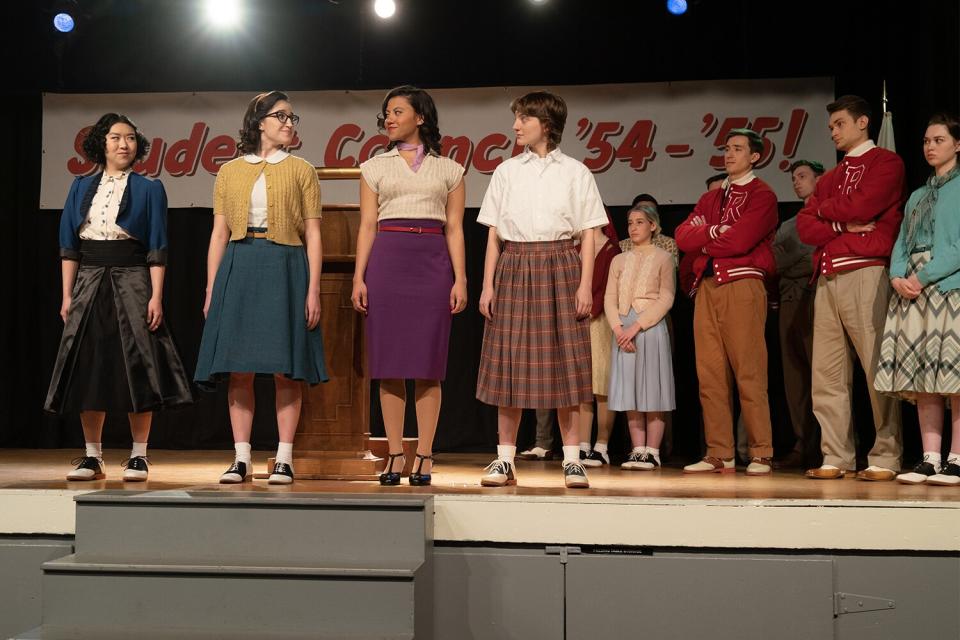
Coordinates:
column 385, row 8
column 223, row 14
column 677, row 7
column 63, row 22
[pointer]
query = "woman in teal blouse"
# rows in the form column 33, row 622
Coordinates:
column 920, row 351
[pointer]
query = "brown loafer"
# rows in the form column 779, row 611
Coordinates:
column 877, row 474
column 825, row 473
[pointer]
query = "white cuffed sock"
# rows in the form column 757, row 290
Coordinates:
column 585, row 447
column 506, row 452
column 953, row 457
column 933, row 457
column 600, row 447
column 243, row 451
column 285, row 452
column 139, row 450
column 638, row 450
column 571, row 453
column 655, row 453
column 94, row 450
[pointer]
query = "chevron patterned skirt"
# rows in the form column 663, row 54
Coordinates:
column 920, row 348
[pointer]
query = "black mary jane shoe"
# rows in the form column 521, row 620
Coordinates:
column 389, row 477
column 418, row 479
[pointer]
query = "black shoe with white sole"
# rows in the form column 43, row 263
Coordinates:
column 88, row 468
column 282, row 474
column 237, row 473
column 135, row 469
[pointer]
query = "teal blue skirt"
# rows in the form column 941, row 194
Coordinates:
column 256, row 321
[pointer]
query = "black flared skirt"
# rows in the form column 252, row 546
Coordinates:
column 109, row 360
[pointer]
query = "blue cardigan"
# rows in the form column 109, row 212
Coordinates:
column 143, row 214
column 944, row 267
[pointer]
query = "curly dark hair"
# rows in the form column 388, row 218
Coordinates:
column 424, row 107
column 95, row 143
column 260, row 106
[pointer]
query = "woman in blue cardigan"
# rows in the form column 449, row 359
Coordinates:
column 115, row 354
column 920, row 351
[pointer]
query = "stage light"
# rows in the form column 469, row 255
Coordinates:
column 385, row 8
column 677, row 7
column 538, row 1
column 223, row 14
column 63, row 22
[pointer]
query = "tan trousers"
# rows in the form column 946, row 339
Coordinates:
column 728, row 323
column 850, row 309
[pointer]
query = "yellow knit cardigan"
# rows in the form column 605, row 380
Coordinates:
column 293, row 195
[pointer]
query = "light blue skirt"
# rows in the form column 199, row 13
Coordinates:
column 642, row 381
column 256, row 321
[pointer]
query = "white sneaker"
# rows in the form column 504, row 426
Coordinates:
column 711, row 465
column 641, row 461
column 535, row 453
column 499, row 473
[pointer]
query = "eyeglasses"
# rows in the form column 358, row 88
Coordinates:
column 283, row 116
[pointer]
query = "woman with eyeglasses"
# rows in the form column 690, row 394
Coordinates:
column 116, row 353
column 263, row 281
column 410, row 275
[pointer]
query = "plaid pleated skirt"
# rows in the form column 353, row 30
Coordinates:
column 920, row 351
column 536, row 353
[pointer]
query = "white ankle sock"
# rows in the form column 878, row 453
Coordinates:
column 139, row 449
column 572, row 453
column 953, row 457
column 285, row 452
column 655, row 453
column 638, row 450
column 584, row 446
column 94, row 450
column 506, row 452
column 243, row 451
column 600, row 447
column 933, row 457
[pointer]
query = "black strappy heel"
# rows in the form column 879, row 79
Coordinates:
column 389, row 477
column 418, row 479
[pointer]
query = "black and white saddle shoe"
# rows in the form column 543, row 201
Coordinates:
column 282, row 474
column 575, row 476
column 88, row 468
column 237, row 473
column 135, row 469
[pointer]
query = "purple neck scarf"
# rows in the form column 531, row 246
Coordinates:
column 417, row 161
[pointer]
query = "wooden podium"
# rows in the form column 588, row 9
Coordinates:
column 333, row 437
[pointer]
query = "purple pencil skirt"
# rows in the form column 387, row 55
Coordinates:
column 408, row 278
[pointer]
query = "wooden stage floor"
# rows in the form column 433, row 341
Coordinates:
column 460, row 474
column 784, row 511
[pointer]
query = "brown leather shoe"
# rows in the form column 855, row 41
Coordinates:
column 877, row 474
column 825, row 473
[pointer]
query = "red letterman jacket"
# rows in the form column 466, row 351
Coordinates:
column 745, row 249
column 869, row 187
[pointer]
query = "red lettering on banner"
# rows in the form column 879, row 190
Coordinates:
column 151, row 165
column 218, row 151
column 482, row 161
column 637, row 147
column 80, row 166
column 458, row 149
column 374, row 144
column 341, row 136
column 599, row 145
column 184, row 155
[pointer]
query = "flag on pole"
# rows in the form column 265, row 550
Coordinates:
column 885, row 139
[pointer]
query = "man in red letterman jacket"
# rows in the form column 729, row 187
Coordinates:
column 731, row 232
column 853, row 219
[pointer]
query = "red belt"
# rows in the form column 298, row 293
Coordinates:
column 434, row 230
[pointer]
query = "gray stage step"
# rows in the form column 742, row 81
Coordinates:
column 252, row 528
column 239, row 564
column 50, row 632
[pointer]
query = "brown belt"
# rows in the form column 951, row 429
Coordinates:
column 434, row 230
column 256, row 234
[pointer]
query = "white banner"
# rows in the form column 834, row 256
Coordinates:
column 660, row 138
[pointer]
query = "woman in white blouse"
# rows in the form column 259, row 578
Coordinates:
column 537, row 288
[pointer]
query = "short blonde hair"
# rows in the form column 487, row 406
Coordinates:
column 651, row 213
